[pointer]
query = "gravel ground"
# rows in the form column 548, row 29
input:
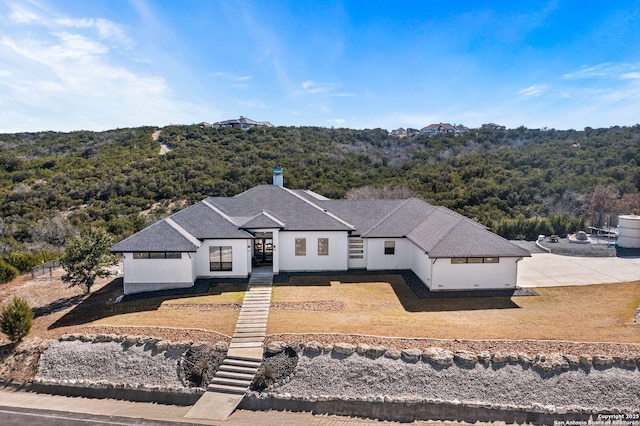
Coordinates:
column 113, row 362
column 358, row 375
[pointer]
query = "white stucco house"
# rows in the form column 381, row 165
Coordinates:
column 279, row 229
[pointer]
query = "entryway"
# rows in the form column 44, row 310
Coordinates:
column 263, row 251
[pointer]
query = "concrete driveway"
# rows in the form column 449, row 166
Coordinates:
column 552, row 270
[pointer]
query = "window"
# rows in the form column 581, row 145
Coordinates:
column 157, row 255
column 323, row 247
column 356, row 249
column 220, row 258
column 459, row 260
column 389, row 247
column 301, row 246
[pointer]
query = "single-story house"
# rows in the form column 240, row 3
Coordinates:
column 242, row 123
column 279, row 229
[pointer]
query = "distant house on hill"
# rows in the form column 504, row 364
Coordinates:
column 494, row 126
column 399, row 132
column 434, row 129
column 242, row 123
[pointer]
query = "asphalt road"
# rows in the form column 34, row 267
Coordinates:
column 13, row 416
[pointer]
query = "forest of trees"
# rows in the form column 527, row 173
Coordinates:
column 518, row 182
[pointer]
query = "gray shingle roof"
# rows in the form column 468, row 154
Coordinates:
column 296, row 213
column 445, row 233
column 158, row 237
column 262, row 220
column 362, row 214
column 401, row 221
column 203, row 222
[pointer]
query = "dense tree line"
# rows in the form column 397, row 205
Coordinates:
column 52, row 184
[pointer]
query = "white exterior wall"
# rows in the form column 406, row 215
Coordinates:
column 335, row 261
column 474, row 276
column 241, row 258
column 156, row 274
column 421, row 265
column 377, row 260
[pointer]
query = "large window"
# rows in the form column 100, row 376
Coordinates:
column 301, row 246
column 157, row 255
column 220, row 258
column 389, row 247
column 323, row 247
column 460, row 260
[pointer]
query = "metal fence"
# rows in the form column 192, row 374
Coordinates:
column 49, row 267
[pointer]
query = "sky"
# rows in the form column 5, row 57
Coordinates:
column 105, row 64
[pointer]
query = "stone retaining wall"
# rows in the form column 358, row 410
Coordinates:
column 121, row 367
column 287, row 395
column 59, row 375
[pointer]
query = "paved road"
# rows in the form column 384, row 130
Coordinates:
column 27, row 408
column 551, row 270
column 16, row 416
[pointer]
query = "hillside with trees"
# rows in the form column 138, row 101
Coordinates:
column 518, row 182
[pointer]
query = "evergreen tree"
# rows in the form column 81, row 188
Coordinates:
column 16, row 319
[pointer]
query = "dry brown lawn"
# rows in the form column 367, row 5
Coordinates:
column 385, row 306
column 373, row 305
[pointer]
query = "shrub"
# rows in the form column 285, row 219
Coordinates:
column 25, row 260
column 16, row 319
column 200, row 364
column 274, row 368
column 7, row 272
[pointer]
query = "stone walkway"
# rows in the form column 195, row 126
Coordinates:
column 244, row 357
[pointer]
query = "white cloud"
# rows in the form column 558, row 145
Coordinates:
column 596, row 71
column 68, row 77
column 336, row 121
column 534, row 90
column 20, row 15
column 630, row 76
column 310, row 87
column 233, row 77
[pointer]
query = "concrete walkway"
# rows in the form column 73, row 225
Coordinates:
column 244, row 357
column 552, row 270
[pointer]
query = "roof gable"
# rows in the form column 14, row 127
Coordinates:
column 161, row 236
column 203, row 222
column 263, row 220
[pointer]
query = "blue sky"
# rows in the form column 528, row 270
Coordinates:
column 104, row 64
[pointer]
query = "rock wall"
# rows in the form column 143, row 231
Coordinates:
column 345, row 375
column 111, row 366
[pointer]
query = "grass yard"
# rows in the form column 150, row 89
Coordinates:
column 370, row 304
column 384, row 305
column 204, row 311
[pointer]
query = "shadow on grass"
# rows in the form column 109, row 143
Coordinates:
column 411, row 292
column 101, row 304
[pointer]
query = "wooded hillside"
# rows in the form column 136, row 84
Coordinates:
column 53, row 183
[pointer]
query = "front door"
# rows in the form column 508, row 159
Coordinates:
column 263, row 250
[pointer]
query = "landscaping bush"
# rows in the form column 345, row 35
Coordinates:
column 16, row 319
column 274, row 368
column 7, row 272
column 200, row 364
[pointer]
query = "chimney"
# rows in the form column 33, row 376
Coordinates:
column 277, row 176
